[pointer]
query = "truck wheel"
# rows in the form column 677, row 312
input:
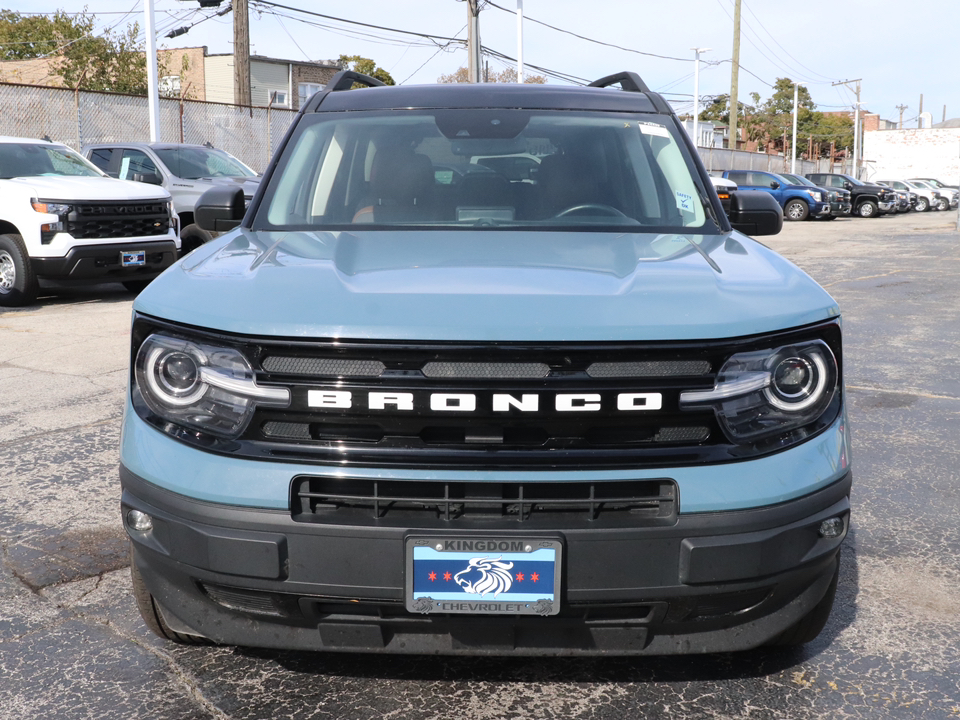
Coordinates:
column 944, row 204
column 810, row 625
column 136, row 286
column 192, row 237
column 868, row 208
column 18, row 284
column 796, row 210
column 151, row 613
column 922, row 205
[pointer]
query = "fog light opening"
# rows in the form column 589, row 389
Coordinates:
column 831, row 528
column 139, row 521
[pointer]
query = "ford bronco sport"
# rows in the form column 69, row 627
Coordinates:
column 411, row 404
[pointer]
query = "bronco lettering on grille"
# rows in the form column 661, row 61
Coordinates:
column 469, row 402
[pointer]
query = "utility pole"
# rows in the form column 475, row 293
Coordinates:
column 901, row 108
column 856, row 125
column 241, row 53
column 520, row 44
column 696, row 95
column 735, row 77
column 920, row 115
column 473, row 41
column 153, row 98
column 793, row 144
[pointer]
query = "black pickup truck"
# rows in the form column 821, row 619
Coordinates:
column 868, row 200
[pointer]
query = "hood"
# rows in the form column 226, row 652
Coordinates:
column 249, row 184
column 486, row 286
column 68, row 187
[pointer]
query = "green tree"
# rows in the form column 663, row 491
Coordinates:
column 366, row 66
column 108, row 61
column 509, row 75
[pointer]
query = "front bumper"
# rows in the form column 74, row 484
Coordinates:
column 887, row 207
column 710, row 582
column 840, row 208
column 101, row 263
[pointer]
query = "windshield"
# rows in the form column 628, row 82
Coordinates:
column 799, row 180
column 852, row 180
column 922, row 185
column 192, row 163
column 484, row 168
column 35, row 160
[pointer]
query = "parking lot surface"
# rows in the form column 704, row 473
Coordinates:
column 73, row 646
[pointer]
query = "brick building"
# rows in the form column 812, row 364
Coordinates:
column 194, row 75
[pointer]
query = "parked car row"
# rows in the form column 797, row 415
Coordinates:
column 828, row 196
column 118, row 213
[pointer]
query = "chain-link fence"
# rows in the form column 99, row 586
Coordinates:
column 249, row 133
column 82, row 118
column 717, row 160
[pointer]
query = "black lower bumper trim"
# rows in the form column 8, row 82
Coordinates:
column 101, row 263
column 711, row 582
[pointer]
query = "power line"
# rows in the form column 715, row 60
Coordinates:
column 588, row 39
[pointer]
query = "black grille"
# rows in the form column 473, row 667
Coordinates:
column 336, row 499
column 489, row 406
column 118, row 220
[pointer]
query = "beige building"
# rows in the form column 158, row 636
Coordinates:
column 289, row 82
column 194, row 75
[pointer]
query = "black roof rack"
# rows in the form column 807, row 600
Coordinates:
column 345, row 79
column 629, row 81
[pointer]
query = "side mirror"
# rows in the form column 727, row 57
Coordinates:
column 847, row 185
column 220, row 209
column 774, row 185
column 151, row 178
column 755, row 213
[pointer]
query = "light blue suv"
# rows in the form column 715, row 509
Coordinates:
column 408, row 403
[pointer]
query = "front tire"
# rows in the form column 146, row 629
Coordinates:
column 922, row 205
column 867, row 209
column 18, row 283
column 151, row 613
column 192, row 237
column 796, row 210
column 944, row 204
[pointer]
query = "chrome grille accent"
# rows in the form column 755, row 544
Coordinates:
column 486, row 370
column 655, row 368
column 335, row 367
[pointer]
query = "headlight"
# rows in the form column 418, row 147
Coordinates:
column 50, row 208
column 201, row 386
column 769, row 392
column 815, row 195
column 174, row 219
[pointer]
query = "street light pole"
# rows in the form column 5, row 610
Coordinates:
column 696, row 95
column 793, row 144
column 153, row 98
column 520, row 41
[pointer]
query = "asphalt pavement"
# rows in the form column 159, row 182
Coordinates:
column 73, row 646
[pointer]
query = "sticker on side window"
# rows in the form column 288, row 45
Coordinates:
column 685, row 201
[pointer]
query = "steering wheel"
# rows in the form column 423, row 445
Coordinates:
column 604, row 209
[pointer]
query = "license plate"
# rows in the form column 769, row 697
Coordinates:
column 483, row 576
column 133, row 258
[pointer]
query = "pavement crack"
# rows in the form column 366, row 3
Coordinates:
column 903, row 391
column 864, row 277
column 48, row 433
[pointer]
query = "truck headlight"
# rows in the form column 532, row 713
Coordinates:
column 200, row 386
column 815, row 195
column 765, row 393
column 51, row 208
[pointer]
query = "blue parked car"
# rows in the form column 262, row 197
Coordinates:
column 799, row 202
column 401, row 408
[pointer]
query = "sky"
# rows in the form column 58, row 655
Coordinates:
column 898, row 53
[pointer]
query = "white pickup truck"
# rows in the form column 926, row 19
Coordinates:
column 64, row 220
column 185, row 171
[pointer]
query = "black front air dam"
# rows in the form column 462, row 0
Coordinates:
column 713, row 582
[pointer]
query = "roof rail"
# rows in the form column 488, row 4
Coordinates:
column 629, row 81
column 345, row 79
